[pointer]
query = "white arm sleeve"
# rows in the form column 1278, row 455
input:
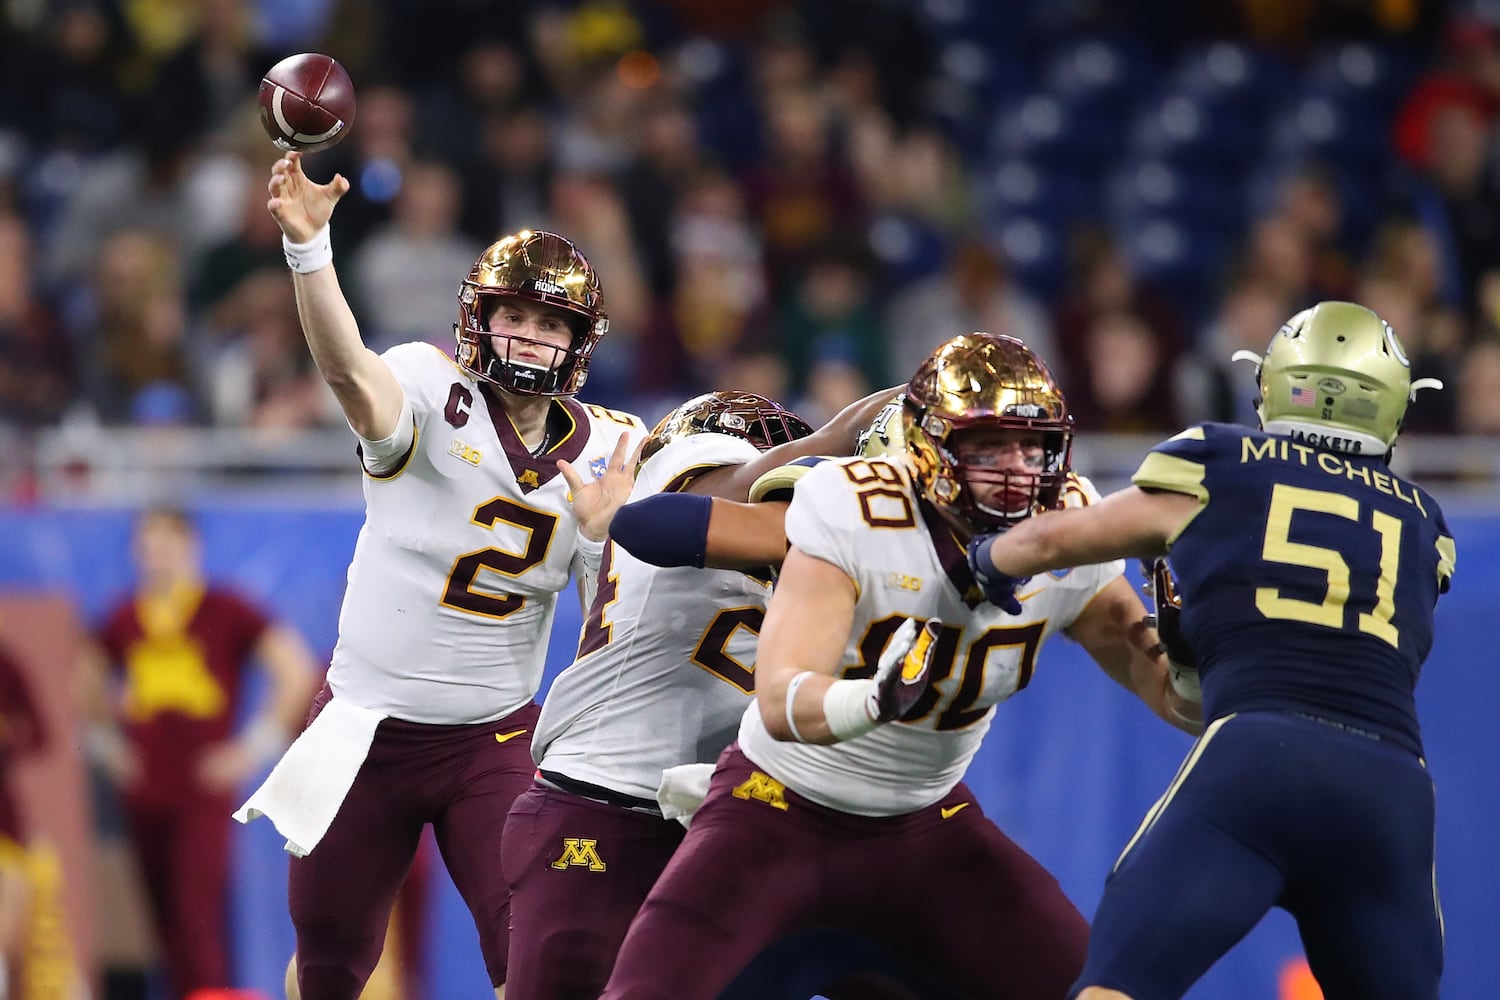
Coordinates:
column 381, row 456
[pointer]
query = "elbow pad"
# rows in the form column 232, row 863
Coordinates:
column 668, row 529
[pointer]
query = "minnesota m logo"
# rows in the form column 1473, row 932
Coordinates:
column 579, row 852
column 528, row 477
column 763, row 788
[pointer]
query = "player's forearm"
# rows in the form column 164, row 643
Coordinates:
column 837, row 437
column 801, row 651
column 808, row 723
column 1053, row 540
column 289, row 663
column 1129, row 523
column 839, row 434
column 745, row 535
column 364, row 385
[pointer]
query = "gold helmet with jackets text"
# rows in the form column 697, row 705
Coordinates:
column 543, row 268
column 1336, row 377
column 979, row 382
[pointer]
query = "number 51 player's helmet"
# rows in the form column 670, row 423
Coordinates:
column 539, row 267
column 980, row 381
column 1335, row 376
column 763, row 422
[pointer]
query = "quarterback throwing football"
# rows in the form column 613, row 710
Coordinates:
column 468, row 538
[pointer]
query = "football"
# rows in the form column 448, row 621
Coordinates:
column 306, row 102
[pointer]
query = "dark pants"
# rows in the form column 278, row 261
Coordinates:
column 183, row 848
column 1272, row 809
column 942, row 888
column 458, row 778
column 578, row 872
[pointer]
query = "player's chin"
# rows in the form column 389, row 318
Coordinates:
column 1007, row 504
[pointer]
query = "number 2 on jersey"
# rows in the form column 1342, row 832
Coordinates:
column 539, row 526
column 710, row 654
column 1279, row 548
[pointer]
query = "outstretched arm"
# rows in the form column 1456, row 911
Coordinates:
column 837, row 437
column 364, row 385
column 1129, row 523
column 678, row 529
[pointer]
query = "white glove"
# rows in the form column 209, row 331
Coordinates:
column 682, row 790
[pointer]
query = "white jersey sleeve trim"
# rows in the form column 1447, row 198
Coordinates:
column 383, row 458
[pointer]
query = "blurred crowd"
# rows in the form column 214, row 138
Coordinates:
column 795, row 197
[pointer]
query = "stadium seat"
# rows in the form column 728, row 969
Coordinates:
column 1228, row 74
column 1358, row 73
column 985, row 70
column 1056, row 194
column 1316, row 127
column 1185, row 129
column 1098, row 69
column 1207, row 201
column 1036, row 252
column 909, row 249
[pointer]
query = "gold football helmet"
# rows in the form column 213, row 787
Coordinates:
column 539, row 267
column 1335, row 375
column 763, row 422
column 980, row 381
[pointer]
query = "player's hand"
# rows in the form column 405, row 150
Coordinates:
column 595, row 502
column 299, row 206
column 118, row 760
column 903, row 672
column 1182, row 663
column 227, row 765
column 999, row 588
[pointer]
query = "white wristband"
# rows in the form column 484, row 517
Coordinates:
column 103, row 742
column 314, row 255
column 846, row 707
column 791, row 704
column 265, row 739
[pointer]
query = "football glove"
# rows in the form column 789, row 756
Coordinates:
column 1000, row 588
column 1167, row 620
column 903, row 671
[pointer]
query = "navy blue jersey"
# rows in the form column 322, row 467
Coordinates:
column 1308, row 577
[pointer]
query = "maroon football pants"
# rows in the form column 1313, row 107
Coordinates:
column 578, row 872
column 462, row 780
column 941, row 888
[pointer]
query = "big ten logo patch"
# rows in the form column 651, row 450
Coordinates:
column 903, row 581
column 761, row 787
column 578, row 852
column 467, row 452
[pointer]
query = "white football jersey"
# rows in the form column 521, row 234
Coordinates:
column 864, row 516
column 666, row 658
column 467, row 540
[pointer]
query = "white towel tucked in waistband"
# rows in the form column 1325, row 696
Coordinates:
column 683, row 789
column 305, row 789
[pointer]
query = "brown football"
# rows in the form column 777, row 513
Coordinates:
column 306, row 102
